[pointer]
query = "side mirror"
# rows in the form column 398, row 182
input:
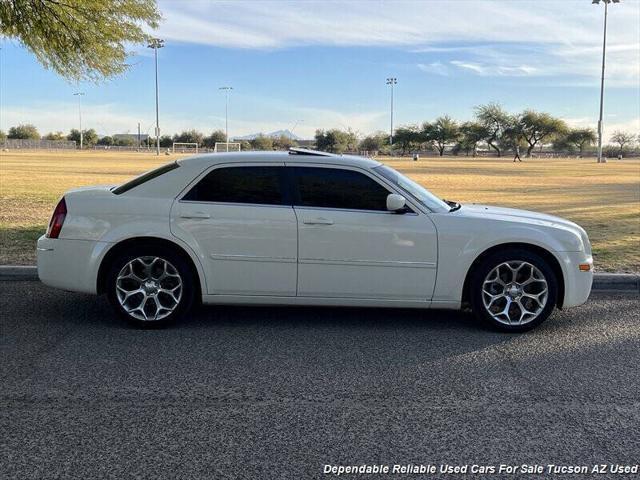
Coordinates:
column 396, row 203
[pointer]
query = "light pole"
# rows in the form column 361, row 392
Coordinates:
column 80, row 95
column 298, row 122
column 157, row 43
column 226, row 113
column 391, row 81
column 604, row 49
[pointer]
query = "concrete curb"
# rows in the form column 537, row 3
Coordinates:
column 18, row 273
column 602, row 281
column 616, row 281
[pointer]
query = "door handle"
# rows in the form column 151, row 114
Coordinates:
column 318, row 221
column 195, row 215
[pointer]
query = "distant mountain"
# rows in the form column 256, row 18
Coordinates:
column 276, row 134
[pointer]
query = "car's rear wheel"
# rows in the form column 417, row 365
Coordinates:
column 514, row 290
column 150, row 286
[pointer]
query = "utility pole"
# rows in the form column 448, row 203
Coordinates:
column 604, row 50
column 79, row 95
column 139, row 141
column 157, row 43
column 226, row 114
column 391, row 81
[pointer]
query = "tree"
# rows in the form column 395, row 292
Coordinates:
column 55, row 136
column 3, row 136
column 89, row 137
column 373, row 143
column 513, row 136
column 471, row 133
column 79, row 39
column 622, row 139
column 24, row 132
column 284, row 142
column 336, row 141
column 262, row 142
column 538, row 126
column 124, row 142
column 189, row 136
column 217, row 136
column 107, row 141
column 407, row 137
column 245, row 145
column 166, row 141
column 580, row 137
column 494, row 120
column 441, row 132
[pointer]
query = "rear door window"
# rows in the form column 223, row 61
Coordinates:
column 255, row 185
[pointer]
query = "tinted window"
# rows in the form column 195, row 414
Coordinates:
column 145, row 177
column 240, row 185
column 336, row 188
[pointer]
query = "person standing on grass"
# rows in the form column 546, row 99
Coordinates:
column 517, row 155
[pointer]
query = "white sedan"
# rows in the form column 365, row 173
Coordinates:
column 307, row 228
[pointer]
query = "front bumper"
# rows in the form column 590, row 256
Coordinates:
column 577, row 283
column 67, row 264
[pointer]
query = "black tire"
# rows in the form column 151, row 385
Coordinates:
column 186, row 294
column 481, row 272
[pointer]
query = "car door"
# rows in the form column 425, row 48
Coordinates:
column 350, row 246
column 239, row 220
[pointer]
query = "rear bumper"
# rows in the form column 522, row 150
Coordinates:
column 67, row 264
column 577, row 284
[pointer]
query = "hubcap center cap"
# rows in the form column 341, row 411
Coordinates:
column 150, row 287
column 514, row 291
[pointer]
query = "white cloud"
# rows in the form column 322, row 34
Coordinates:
column 437, row 68
column 485, row 69
column 269, row 23
column 474, row 67
column 549, row 37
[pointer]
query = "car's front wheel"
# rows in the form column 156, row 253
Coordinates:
column 514, row 290
column 150, row 286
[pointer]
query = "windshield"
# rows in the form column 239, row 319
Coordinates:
column 417, row 191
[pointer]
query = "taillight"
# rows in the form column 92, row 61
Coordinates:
column 57, row 219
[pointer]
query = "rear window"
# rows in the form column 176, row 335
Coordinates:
column 145, row 177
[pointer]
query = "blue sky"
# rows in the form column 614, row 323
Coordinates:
column 323, row 65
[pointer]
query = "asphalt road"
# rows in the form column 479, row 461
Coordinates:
column 277, row 393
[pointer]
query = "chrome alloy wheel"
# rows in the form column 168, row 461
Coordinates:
column 149, row 288
column 515, row 292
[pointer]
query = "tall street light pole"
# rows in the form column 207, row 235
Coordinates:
column 80, row 95
column 226, row 113
column 391, row 81
column 157, row 43
column 298, row 122
column 604, row 50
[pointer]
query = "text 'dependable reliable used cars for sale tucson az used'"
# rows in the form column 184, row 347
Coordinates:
column 307, row 228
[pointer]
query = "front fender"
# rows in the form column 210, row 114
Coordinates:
column 462, row 240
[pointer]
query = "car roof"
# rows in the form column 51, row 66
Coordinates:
column 294, row 156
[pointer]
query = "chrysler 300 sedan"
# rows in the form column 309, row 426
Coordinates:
column 307, row 228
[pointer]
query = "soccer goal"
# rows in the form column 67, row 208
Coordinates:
column 226, row 147
column 184, row 147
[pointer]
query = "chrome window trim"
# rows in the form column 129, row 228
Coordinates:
column 236, row 204
column 351, row 210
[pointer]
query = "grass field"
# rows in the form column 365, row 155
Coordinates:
column 604, row 199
